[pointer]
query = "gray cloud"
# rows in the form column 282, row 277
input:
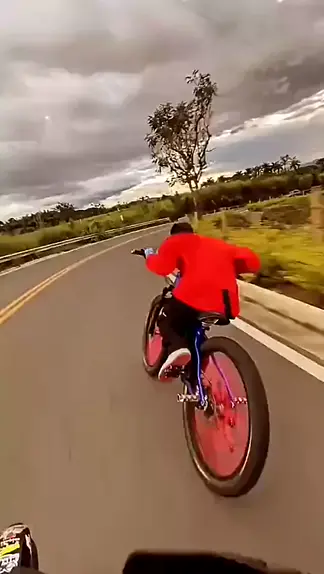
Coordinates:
column 97, row 69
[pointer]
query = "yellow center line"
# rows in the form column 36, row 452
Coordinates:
column 18, row 303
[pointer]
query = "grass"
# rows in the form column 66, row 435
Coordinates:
column 13, row 244
column 283, row 212
column 288, row 257
column 298, row 202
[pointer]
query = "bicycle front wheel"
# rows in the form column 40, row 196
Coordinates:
column 153, row 352
column 229, row 443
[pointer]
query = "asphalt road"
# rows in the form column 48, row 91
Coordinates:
column 93, row 455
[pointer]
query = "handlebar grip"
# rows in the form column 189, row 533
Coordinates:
column 138, row 252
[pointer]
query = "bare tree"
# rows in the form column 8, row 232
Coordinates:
column 180, row 134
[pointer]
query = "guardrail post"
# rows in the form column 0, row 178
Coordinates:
column 317, row 213
column 224, row 227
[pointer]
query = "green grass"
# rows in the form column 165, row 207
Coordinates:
column 12, row 244
column 281, row 212
column 298, row 202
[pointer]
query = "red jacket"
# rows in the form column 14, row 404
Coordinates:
column 208, row 267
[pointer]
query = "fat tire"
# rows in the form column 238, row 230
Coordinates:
column 250, row 470
column 152, row 315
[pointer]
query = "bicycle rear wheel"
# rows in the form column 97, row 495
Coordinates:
column 239, row 411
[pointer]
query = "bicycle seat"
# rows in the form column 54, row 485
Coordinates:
column 213, row 318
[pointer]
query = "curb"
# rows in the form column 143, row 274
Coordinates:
column 306, row 315
column 283, row 340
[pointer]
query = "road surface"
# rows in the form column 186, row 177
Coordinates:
column 93, row 455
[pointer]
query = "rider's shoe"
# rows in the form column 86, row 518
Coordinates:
column 174, row 363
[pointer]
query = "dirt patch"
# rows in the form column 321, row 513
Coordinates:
column 311, row 297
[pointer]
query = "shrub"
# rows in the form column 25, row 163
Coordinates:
column 305, row 181
column 291, row 214
column 237, row 219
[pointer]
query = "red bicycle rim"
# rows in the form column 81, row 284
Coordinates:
column 153, row 347
column 223, row 438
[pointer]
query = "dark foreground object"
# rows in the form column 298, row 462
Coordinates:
column 202, row 563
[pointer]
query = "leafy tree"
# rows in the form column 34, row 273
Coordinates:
column 284, row 160
column 209, row 181
column 180, row 134
column 65, row 210
column 256, row 171
column 248, row 173
column 276, row 167
column 266, row 168
column 294, row 163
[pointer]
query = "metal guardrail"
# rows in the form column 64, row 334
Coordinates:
column 82, row 239
column 50, row 246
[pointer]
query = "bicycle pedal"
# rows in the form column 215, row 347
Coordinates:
column 187, row 398
column 174, row 372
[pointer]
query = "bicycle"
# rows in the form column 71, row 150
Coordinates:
column 210, row 406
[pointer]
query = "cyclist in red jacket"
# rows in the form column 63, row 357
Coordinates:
column 209, row 268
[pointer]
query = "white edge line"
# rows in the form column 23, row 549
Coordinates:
column 297, row 359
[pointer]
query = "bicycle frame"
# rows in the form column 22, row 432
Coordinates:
column 200, row 393
column 199, row 338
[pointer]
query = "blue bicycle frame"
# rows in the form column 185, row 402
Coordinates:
column 200, row 393
column 198, row 340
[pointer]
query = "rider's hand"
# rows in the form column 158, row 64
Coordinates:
column 148, row 251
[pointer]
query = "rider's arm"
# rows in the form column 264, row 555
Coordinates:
column 165, row 261
column 245, row 260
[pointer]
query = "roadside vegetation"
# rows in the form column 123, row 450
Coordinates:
column 269, row 194
column 15, row 241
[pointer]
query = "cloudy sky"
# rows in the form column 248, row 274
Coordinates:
column 79, row 78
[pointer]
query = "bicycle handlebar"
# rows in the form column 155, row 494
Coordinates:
column 138, row 252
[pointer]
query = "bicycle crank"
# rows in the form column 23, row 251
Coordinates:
column 187, row 398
